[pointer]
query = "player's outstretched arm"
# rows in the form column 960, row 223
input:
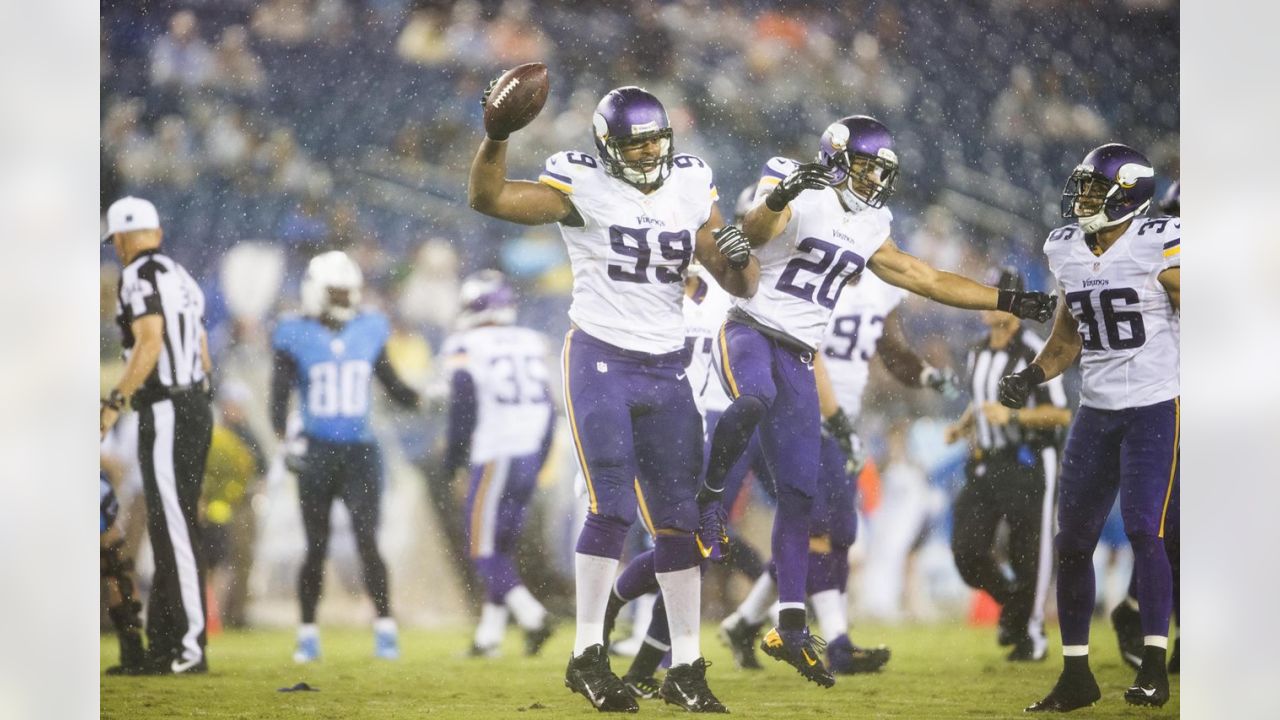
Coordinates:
column 400, row 392
column 907, row 367
column 1058, row 353
column 723, row 252
column 1171, row 279
column 767, row 219
column 910, row 273
column 519, row 201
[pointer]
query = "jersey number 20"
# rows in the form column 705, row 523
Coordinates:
column 339, row 389
column 822, row 259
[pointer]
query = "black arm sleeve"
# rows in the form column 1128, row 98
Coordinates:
column 398, row 389
column 284, row 374
column 462, row 421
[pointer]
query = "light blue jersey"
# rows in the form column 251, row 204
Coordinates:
column 335, row 372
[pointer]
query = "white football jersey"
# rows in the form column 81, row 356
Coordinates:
column 513, row 398
column 1129, row 328
column 855, row 327
column 704, row 315
column 630, row 257
column 803, row 269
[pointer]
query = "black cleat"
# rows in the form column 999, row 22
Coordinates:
column 1006, row 633
column 740, row 636
column 1073, row 691
column 1151, row 687
column 536, row 638
column 686, row 686
column 590, row 676
column 1128, row 626
column 642, row 688
column 800, row 650
column 845, row 658
column 133, row 656
column 1029, row 648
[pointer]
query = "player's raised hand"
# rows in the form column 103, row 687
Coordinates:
column 810, row 176
column 1036, row 306
column 1015, row 388
column 733, row 245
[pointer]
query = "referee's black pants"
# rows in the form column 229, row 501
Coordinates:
column 173, row 444
column 1017, row 485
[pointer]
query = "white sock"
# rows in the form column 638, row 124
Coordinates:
column 832, row 622
column 385, row 626
column 1159, row 641
column 1075, row 650
column 307, row 631
column 593, row 578
column 528, row 611
column 493, row 625
column 682, row 591
column 756, row 603
column 643, row 616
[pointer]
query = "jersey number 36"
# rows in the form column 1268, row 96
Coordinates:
column 1081, row 304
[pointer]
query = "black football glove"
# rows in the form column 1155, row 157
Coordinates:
column 810, row 176
column 733, row 245
column 941, row 380
column 1015, row 388
column 484, row 102
column 1036, row 306
column 841, row 429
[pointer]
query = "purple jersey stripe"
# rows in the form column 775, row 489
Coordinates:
column 770, row 172
column 1172, row 243
column 562, row 178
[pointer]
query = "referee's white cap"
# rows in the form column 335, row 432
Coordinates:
column 131, row 213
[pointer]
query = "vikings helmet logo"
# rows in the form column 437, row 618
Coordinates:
column 838, row 135
column 600, row 125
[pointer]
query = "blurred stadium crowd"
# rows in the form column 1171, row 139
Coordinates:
column 267, row 131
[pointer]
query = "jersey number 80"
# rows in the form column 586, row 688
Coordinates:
column 335, row 389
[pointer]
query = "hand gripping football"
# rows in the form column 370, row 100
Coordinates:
column 515, row 99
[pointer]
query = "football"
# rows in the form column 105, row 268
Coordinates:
column 516, row 99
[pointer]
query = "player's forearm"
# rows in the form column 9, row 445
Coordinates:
column 740, row 283
column 1056, row 357
column 762, row 224
column 1044, row 417
column 957, row 291
column 488, row 175
column 206, row 360
column 900, row 360
column 142, row 361
column 397, row 389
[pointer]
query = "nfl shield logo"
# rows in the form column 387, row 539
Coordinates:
column 337, row 346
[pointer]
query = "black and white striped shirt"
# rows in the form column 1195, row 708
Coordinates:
column 986, row 366
column 153, row 284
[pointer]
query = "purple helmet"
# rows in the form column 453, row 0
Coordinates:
column 628, row 116
column 486, row 299
column 864, row 166
column 1111, row 185
column 1171, row 203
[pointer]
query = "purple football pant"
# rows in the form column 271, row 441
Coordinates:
column 500, row 491
column 638, row 437
column 1132, row 452
column 755, row 366
column 835, row 522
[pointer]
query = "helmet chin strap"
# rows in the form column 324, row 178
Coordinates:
column 1099, row 221
column 852, row 202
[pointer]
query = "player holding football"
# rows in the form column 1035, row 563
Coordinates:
column 501, row 421
column 633, row 218
column 1120, row 276
column 810, row 244
column 330, row 354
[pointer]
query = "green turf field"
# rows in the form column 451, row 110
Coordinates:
column 940, row 671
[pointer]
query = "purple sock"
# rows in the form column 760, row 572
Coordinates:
column 602, row 536
column 1075, row 594
column 1155, row 583
column 498, row 573
column 731, row 436
column 824, row 572
column 637, row 578
column 1133, row 582
column 672, row 553
column 791, row 544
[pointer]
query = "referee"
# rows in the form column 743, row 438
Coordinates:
column 160, row 311
column 1011, row 475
